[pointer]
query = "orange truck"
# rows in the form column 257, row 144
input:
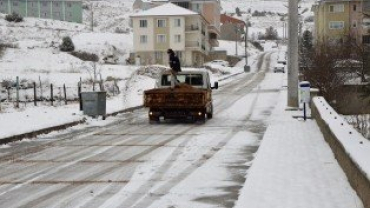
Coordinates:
column 190, row 99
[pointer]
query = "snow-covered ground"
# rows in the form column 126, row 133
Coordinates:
column 278, row 179
column 293, row 167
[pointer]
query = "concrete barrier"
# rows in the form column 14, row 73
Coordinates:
column 358, row 179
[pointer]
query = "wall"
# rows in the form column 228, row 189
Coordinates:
column 345, row 151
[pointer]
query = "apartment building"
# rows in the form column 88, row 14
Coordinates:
column 337, row 20
column 170, row 26
column 64, row 10
column 209, row 9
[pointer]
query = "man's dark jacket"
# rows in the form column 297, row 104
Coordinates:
column 175, row 62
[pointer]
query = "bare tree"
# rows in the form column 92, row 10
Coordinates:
column 319, row 67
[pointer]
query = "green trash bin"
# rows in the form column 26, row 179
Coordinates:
column 94, row 103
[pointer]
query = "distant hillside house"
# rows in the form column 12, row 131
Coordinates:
column 231, row 28
column 170, row 26
column 64, row 10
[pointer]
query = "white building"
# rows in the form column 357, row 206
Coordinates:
column 170, row 26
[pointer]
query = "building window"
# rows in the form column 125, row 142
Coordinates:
column 161, row 38
column 354, row 7
column 45, row 4
column 15, row 3
column 177, row 22
column 161, row 23
column 197, row 8
column 158, row 55
column 177, row 38
column 69, row 4
column 366, row 39
column 143, row 23
column 336, row 8
column 57, row 14
column 143, row 38
column 354, row 23
column 69, row 14
column 56, row 4
column 336, row 25
column 185, row 5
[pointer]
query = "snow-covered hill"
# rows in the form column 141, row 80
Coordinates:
column 32, row 45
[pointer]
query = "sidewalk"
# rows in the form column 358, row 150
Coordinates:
column 295, row 168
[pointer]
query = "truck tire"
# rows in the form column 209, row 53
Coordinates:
column 153, row 120
column 210, row 114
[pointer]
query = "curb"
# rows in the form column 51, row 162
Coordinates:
column 57, row 128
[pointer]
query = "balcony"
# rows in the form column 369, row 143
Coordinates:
column 192, row 28
column 213, row 42
column 192, row 44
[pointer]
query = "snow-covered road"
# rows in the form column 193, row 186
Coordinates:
column 135, row 164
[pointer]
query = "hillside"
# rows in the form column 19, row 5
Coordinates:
column 32, row 45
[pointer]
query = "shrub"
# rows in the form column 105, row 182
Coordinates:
column 67, row 45
column 14, row 17
column 257, row 45
column 85, row 56
column 309, row 19
column 258, row 14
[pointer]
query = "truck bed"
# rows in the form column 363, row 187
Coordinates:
column 183, row 96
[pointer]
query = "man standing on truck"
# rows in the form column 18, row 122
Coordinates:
column 175, row 66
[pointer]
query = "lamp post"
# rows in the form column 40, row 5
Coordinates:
column 246, row 67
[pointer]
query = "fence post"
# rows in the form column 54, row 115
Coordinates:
column 65, row 93
column 51, row 95
column 8, row 90
column 40, row 88
column 34, row 94
column 79, row 95
column 17, row 92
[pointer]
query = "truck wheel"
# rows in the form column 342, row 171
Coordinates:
column 153, row 120
column 210, row 114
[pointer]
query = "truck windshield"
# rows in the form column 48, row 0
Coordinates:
column 191, row 79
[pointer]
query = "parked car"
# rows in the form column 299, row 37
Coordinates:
column 217, row 62
column 282, row 61
column 279, row 68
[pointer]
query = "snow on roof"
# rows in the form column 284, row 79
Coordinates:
column 168, row 9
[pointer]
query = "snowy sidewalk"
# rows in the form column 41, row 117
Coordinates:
column 295, row 168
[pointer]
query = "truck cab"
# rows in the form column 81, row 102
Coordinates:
column 197, row 79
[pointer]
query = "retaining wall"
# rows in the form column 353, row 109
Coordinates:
column 357, row 174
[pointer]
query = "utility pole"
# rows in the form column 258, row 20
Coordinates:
column 246, row 67
column 92, row 18
column 293, row 54
column 236, row 39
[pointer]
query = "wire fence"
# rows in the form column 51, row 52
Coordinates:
column 49, row 94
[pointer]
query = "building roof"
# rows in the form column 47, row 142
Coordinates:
column 167, row 9
column 228, row 19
